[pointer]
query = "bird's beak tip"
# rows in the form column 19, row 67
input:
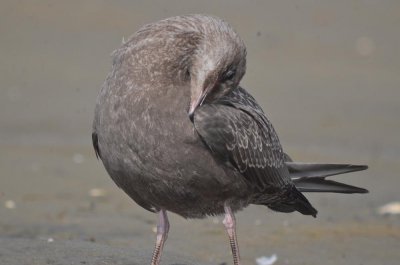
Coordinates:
column 197, row 102
column 193, row 107
column 191, row 111
column 191, row 116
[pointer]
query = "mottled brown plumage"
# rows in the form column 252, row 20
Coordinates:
column 177, row 133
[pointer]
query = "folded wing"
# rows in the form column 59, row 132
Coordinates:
column 238, row 133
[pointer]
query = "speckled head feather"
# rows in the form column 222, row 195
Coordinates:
column 201, row 50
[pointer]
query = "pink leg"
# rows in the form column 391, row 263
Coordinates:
column 230, row 225
column 162, row 234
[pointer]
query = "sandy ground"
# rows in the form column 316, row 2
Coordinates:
column 327, row 73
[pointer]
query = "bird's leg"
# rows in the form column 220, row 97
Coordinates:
column 230, row 225
column 162, row 234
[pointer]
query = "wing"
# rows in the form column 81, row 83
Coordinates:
column 95, row 142
column 237, row 131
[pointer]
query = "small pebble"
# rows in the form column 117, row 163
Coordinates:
column 285, row 223
column 10, row 204
column 257, row 222
column 50, row 240
column 365, row 46
column 96, row 192
column 35, row 167
column 78, row 158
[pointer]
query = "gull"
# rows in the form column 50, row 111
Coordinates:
column 178, row 133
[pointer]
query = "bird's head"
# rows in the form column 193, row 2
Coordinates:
column 217, row 65
column 199, row 52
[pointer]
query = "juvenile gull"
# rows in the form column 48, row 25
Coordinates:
column 177, row 133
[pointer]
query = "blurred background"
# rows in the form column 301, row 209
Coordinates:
column 326, row 72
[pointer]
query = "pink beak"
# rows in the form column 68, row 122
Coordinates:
column 198, row 101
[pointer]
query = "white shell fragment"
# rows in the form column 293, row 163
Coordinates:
column 10, row 204
column 390, row 209
column 267, row 260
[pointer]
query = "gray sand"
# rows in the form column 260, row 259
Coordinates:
column 326, row 72
column 36, row 251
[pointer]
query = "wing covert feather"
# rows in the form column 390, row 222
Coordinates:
column 248, row 142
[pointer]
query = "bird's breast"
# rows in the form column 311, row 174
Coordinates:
column 152, row 151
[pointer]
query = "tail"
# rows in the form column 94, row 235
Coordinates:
column 309, row 177
column 295, row 201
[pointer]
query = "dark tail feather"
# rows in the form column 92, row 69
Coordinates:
column 298, row 170
column 295, row 202
column 323, row 185
column 309, row 177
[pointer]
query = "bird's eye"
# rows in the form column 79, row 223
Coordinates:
column 229, row 75
column 187, row 75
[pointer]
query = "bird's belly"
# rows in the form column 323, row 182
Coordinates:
column 157, row 158
column 180, row 176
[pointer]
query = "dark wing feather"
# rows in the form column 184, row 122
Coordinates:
column 237, row 131
column 95, row 142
